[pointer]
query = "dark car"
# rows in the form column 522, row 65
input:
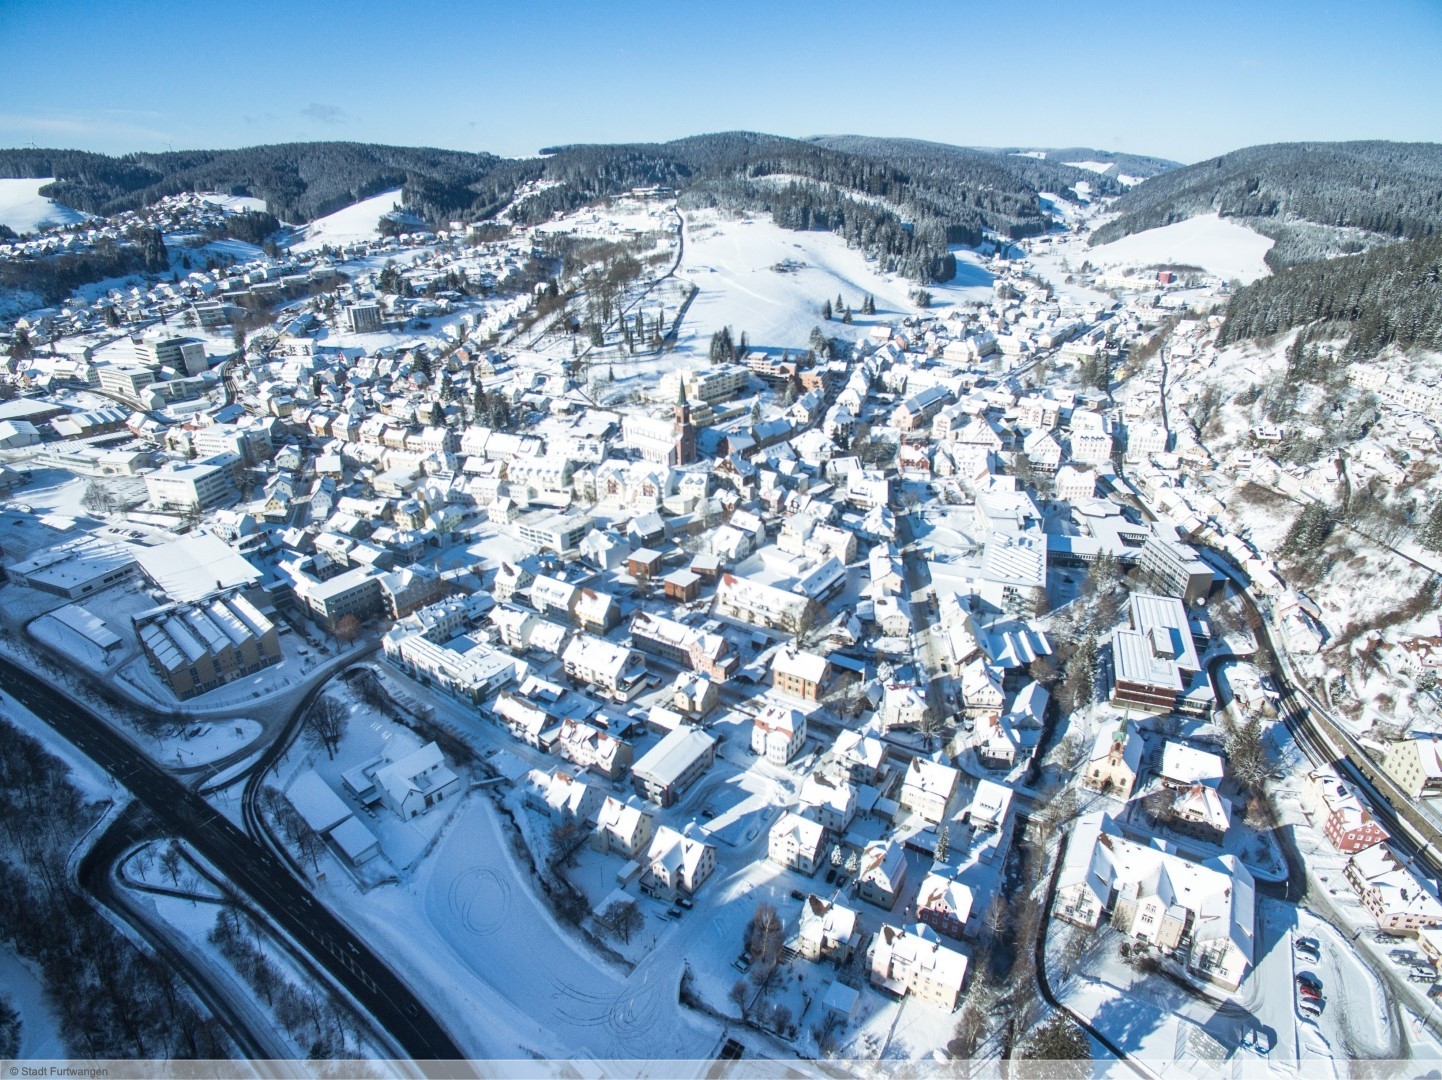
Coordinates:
column 797, row 894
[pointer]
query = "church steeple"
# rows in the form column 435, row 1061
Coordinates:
column 685, row 430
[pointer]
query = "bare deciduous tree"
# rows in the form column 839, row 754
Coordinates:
column 624, row 918
column 326, row 725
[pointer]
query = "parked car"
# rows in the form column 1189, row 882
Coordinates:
column 1381, row 937
column 685, row 902
column 797, row 894
column 674, row 912
column 707, row 812
column 1423, row 973
column 1309, row 1010
column 1403, row 956
column 1307, row 947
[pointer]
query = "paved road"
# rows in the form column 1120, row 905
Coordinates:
column 255, row 872
column 247, row 1025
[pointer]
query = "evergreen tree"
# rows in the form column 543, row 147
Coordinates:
column 826, row 311
column 943, row 840
column 1429, row 534
column 1309, row 530
column 20, row 347
column 846, row 316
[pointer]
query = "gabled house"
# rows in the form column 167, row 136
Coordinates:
column 564, row 798
column 826, row 931
column 1205, row 911
column 797, row 843
column 927, row 789
column 1415, row 763
column 622, row 829
column 1338, row 809
column 862, row 756
column 778, row 733
column 907, row 963
column 831, row 800
column 1394, row 895
column 413, row 784
column 944, row 904
column 675, row 864
column 591, row 748
column 883, row 873
column 798, row 674
column 597, row 612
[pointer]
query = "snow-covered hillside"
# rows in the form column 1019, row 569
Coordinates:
column 771, row 282
column 24, row 209
column 1217, row 245
column 356, row 222
column 238, row 203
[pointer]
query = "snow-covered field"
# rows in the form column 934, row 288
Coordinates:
column 356, row 222
column 1218, row 246
column 24, row 209
column 754, row 276
column 238, row 203
column 470, row 921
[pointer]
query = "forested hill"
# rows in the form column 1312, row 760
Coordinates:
column 1315, row 199
column 981, row 170
column 1137, row 166
column 903, row 202
column 1391, row 295
column 298, row 181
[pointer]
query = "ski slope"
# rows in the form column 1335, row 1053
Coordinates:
column 24, row 209
column 1217, row 245
column 353, row 224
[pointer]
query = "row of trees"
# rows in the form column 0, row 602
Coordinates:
column 316, row 1021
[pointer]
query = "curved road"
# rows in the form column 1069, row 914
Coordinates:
column 255, row 872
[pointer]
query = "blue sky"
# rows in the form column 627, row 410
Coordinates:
column 1182, row 80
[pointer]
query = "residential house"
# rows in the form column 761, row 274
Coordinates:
column 413, row 784
column 1344, row 817
column 944, row 904
column 614, row 669
column 673, row 764
column 622, row 829
column 831, row 800
column 799, row 674
column 675, row 864
column 827, row 931
column 591, row 748
column 907, row 963
column 1160, row 897
column 1391, row 891
column 797, row 843
column 1415, row 763
column 778, row 733
column 927, row 789
column 882, row 874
